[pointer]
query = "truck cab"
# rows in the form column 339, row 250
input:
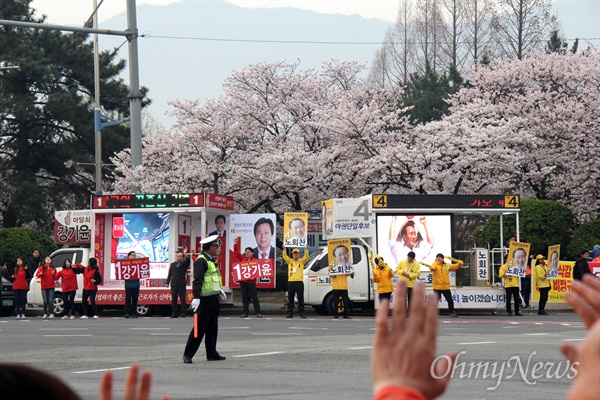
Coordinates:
column 317, row 282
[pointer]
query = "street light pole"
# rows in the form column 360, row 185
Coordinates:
column 135, row 97
column 97, row 109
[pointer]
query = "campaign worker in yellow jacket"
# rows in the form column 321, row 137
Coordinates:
column 542, row 282
column 409, row 270
column 441, row 279
column 339, row 283
column 382, row 276
column 295, row 280
column 511, row 287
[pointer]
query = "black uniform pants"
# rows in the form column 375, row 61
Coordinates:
column 206, row 319
column 131, row 300
column 514, row 293
column 177, row 291
column 296, row 288
column 526, row 289
column 342, row 304
column 448, row 296
column 249, row 292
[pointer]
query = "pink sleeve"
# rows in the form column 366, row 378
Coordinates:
column 398, row 393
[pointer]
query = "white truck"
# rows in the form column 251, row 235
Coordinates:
column 383, row 225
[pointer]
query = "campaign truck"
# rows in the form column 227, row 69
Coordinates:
column 154, row 226
column 392, row 225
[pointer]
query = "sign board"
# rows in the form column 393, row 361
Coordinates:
column 72, row 226
column 132, row 268
column 347, row 218
column 445, row 201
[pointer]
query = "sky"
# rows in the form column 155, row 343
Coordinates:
column 75, row 12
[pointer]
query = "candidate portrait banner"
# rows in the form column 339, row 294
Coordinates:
column 249, row 270
column 339, row 256
column 553, row 258
column 518, row 255
column 132, row 268
column 295, row 229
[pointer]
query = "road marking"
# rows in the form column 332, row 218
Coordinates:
column 88, row 334
column 308, row 328
column 536, row 334
column 63, row 329
column 100, row 370
column 509, row 327
column 259, row 354
column 359, row 348
column 169, row 334
column 563, row 324
column 149, row 329
column 234, row 327
column 477, row 343
column 573, row 340
column 539, row 323
column 276, row 333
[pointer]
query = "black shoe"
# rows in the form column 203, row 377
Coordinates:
column 289, row 316
column 510, row 313
column 347, row 317
column 259, row 315
column 187, row 360
column 217, row 358
column 173, row 316
column 182, row 316
column 336, row 316
column 543, row 312
column 519, row 314
column 453, row 315
column 126, row 315
column 244, row 316
column 134, row 316
column 302, row 316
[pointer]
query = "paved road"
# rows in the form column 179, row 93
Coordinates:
column 278, row 358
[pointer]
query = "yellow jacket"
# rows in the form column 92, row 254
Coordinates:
column 541, row 276
column 441, row 274
column 339, row 282
column 413, row 269
column 509, row 280
column 383, row 277
column 295, row 268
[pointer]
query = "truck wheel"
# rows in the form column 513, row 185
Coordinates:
column 320, row 310
column 144, row 310
column 58, row 304
column 329, row 304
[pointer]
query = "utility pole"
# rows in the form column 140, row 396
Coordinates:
column 135, row 98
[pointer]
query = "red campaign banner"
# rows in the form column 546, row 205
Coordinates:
column 220, row 201
column 246, row 270
column 147, row 296
column 132, row 268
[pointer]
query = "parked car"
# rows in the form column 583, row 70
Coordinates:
column 8, row 298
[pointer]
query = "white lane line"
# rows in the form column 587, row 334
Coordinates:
column 260, row 354
column 477, row 343
column 536, row 334
column 539, row 323
column 169, row 334
column 149, row 329
column 359, row 348
column 99, row 370
column 63, row 329
column 234, row 328
column 566, row 324
column 88, row 334
column 275, row 333
column 308, row 328
column 572, row 340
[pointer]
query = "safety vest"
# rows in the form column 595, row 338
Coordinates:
column 212, row 279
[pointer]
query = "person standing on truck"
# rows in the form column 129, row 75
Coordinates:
column 339, row 282
column 207, row 287
column 91, row 279
column 46, row 274
column 409, row 270
column 20, row 287
column 69, row 287
column 176, row 278
column 295, row 280
column 441, row 279
column 410, row 238
column 132, row 293
column 382, row 276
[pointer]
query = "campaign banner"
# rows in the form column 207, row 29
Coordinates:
column 347, row 218
column 553, row 257
column 294, row 229
column 132, row 268
column 482, row 264
column 339, row 254
column 517, row 259
column 72, row 226
column 249, row 270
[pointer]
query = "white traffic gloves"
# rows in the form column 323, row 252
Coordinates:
column 195, row 304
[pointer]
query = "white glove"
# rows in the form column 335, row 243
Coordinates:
column 223, row 296
column 195, row 304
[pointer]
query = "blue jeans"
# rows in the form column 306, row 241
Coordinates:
column 70, row 303
column 20, row 301
column 48, row 298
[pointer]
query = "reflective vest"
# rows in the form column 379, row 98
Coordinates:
column 212, row 279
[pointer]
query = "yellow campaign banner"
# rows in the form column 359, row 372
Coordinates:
column 294, row 229
column 327, row 217
column 558, row 285
column 553, row 257
column 518, row 254
column 339, row 253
